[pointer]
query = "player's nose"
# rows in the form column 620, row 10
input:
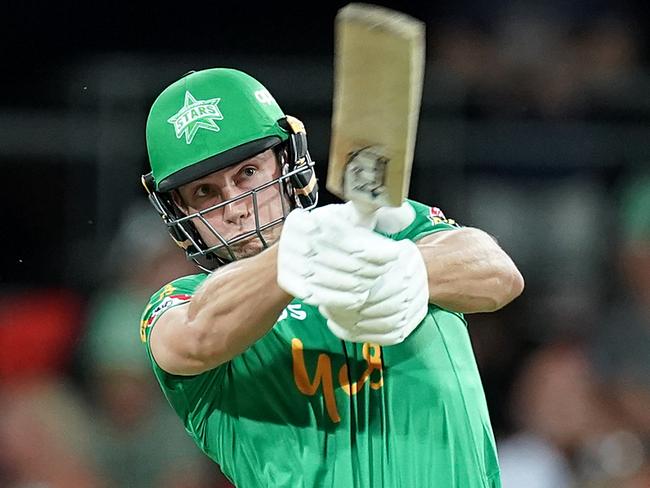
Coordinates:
column 237, row 209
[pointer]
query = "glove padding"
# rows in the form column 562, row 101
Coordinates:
column 370, row 288
column 323, row 259
column 396, row 304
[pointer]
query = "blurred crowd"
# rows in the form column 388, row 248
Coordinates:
column 566, row 367
column 80, row 406
column 567, row 372
column 552, row 60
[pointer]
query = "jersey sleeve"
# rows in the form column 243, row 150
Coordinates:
column 169, row 296
column 427, row 220
column 186, row 394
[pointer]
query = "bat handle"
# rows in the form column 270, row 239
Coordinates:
column 364, row 215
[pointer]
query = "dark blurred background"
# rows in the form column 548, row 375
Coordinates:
column 535, row 126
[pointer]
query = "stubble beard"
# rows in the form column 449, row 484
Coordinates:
column 253, row 245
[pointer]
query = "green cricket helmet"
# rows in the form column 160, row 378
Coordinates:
column 209, row 120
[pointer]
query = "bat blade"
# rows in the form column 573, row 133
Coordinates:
column 378, row 77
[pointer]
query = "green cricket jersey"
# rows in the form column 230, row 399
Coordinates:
column 301, row 408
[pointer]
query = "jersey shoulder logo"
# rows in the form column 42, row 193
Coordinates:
column 436, row 216
column 435, row 212
column 194, row 115
column 167, row 303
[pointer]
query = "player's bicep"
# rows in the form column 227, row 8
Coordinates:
column 172, row 343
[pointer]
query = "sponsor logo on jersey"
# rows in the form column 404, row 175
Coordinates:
column 168, row 302
column 293, row 310
column 194, row 115
column 324, row 378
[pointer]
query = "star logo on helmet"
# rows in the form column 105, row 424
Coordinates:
column 194, row 115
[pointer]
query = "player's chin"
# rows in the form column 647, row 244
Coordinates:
column 247, row 249
column 254, row 245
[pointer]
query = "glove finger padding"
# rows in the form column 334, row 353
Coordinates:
column 383, row 339
column 355, row 331
column 387, row 295
column 336, row 279
column 362, row 244
column 416, row 292
column 343, row 333
column 333, row 298
column 340, row 234
column 312, row 266
column 389, row 338
column 381, row 325
column 395, row 306
column 348, row 263
column 294, row 253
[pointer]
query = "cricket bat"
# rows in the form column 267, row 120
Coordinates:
column 378, row 76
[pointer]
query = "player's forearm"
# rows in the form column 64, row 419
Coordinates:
column 468, row 272
column 236, row 306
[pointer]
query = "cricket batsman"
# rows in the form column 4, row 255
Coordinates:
column 309, row 351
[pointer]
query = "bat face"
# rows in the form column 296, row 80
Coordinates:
column 378, row 75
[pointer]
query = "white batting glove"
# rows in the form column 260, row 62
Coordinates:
column 395, row 306
column 392, row 220
column 323, row 259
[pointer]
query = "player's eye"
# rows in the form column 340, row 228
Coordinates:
column 249, row 171
column 202, row 191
